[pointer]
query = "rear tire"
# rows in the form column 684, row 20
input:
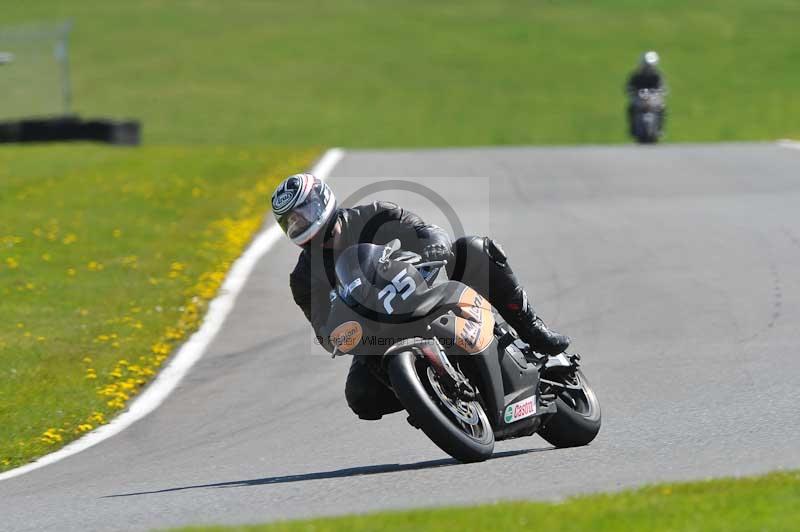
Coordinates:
column 407, row 373
column 577, row 419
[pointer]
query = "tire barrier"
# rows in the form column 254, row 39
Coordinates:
column 71, row 128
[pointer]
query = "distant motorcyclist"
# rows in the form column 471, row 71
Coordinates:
column 306, row 209
column 646, row 76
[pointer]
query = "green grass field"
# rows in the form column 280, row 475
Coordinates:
column 107, row 258
column 767, row 503
column 381, row 73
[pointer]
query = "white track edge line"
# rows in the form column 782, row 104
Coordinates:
column 789, row 143
column 193, row 349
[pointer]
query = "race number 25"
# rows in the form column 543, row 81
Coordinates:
column 401, row 283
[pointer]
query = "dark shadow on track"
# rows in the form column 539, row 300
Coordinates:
column 337, row 473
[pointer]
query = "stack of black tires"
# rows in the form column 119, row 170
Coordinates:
column 125, row 132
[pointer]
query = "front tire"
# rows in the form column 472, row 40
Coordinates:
column 413, row 384
column 646, row 129
column 577, row 419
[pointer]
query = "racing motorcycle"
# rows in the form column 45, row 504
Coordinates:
column 648, row 112
column 463, row 375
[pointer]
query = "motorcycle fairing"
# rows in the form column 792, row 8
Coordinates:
column 467, row 322
column 452, row 312
column 474, row 322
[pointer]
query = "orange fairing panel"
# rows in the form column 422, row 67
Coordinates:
column 474, row 322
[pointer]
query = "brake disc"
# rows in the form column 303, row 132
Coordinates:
column 462, row 410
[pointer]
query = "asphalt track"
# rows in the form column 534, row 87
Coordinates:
column 674, row 268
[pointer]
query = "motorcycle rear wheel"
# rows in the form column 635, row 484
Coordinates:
column 577, row 419
column 460, row 429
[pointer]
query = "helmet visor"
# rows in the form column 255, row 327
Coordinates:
column 297, row 221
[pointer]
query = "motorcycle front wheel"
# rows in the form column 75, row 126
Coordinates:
column 459, row 428
column 646, row 128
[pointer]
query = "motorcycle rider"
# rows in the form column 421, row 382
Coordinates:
column 306, row 209
column 646, row 76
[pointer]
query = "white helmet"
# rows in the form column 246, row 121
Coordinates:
column 303, row 205
column 649, row 59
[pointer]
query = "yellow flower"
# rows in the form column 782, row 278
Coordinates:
column 117, row 233
column 85, row 427
column 51, row 436
column 97, row 417
column 173, row 334
column 10, row 241
column 116, row 403
column 160, row 348
column 12, row 263
column 95, row 266
column 108, row 390
column 70, row 239
column 71, row 272
column 46, row 257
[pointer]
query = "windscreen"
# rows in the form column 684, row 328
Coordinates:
column 357, row 267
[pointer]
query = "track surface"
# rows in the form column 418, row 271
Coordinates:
column 674, row 268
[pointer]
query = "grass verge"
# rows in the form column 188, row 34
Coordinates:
column 107, row 259
column 770, row 502
column 418, row 73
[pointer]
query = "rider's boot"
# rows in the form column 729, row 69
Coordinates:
column 531, row 328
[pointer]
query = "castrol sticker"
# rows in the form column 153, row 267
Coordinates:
column 520, row 410
column 346, row 336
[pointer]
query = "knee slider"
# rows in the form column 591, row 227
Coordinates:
column 362, row 403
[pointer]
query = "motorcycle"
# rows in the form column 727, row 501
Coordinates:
column 647, row 116
column 463, row 375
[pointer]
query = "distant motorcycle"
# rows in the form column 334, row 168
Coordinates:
column 647, row 116
column 465, row 379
